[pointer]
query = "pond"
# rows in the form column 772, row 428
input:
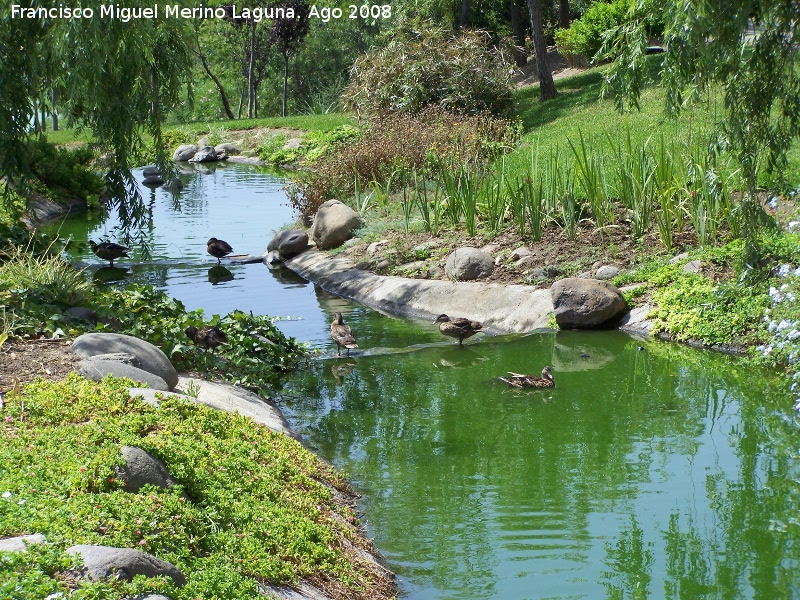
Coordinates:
column 650, row 470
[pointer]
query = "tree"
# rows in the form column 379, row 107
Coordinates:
column 546, row 85
column 200, row 53
column 518, row 33
column 287, row 35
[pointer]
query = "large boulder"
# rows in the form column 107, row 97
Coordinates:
column 103, row 562
column 289, row 243
column 141, row 469
column 227, row 148
column 184, row 152
column 334, row 224
column 97, row 369
column 468, row 263
column 205, row 154
column 586, row 303
column 151, row 359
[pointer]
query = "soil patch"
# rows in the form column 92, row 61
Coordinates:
column 25, row 360
column 560, row 67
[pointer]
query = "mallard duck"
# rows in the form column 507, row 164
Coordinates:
column 207, row 337
column 342, row 334
column 530, row 381
column 109, row 251
column 218, row 249
column 457, row 328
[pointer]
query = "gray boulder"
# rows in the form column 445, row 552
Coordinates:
column 184, row 152
column 289, row 243
column 607, row 272
column 229, row 149
column 205, row 154
column 20, row 543
column 150, row 170
column 142, row 469
column 103, row 562
column 124, row 358
column 152, row 359
column 153, row 180
column 585, row 303
column 468, row 263
column 293, row 144
column 334, row 223
column 693, row 266
column 80, row 313
column 97, row 369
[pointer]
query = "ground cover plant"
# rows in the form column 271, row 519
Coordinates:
column 252, row 506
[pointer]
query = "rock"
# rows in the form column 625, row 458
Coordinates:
column 607, row 272
column 585, row 303
column 466, row 264
column 524, row 262
column 435, row 272
column 424, row 247
column 150, row 170
column 333, row 224
column 152, row 359
column 97, row 370
column 229, row 149
column 103, row 562
column 679, row 258
column 412, row 267
column 383, row 265
column 184, row 152
column 693, row 266
column 585, row 275
column 204, row 141
column 289, row 243
column 375, row 246
column 490, row 248
column 142, row 469
column 153, row 180
column 205, row 154
column 539, row 274
column 273, row 257
column 121, row 357
column 293, row 144
column 79, row 313
column 20, row 543
column 520, row 253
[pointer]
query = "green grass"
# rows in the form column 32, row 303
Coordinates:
column 259, row 506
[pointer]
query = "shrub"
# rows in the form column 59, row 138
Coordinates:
column 65, row 172
column 585, row 35
column 458, row 71
column 400, row 142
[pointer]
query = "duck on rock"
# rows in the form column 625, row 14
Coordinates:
column 208, row 337
column 519, row 380
column 457, row 328
column 342, row 334
column 109, row 251
column 218, row 248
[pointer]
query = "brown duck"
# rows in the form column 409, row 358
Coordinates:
column 342, row 334
column 457, row 328
column 207, row 337
column 530, row 381
column 109, row 251
column 218, row 248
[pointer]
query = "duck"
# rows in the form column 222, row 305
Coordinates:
column 218, row 248
column 459, row 327
column 109, row 251
column 207, row 337
column 342, row 334
column 519, row 380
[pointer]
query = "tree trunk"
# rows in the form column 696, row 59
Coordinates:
column 563, row 14
column 251, row 93
column 464, row 20
column 285, row 80
column 44, row 116
column 35, row 116
column 546, row 85
column 241, row 102
column 225, row 104
column 53, row 101
column 518, row 34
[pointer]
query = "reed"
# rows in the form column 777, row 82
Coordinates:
column 495, row 197
column 590, row 182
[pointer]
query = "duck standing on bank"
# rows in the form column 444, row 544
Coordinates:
column 218, row 248
column 109, row 251
column 342, row 334
column 208, row 337
column 519, row 380
column 457, row 328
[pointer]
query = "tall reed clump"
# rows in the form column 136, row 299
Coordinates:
column 398, row 142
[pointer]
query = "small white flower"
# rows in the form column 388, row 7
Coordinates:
column 21, row 502
column 783, row 325
column 773, row 202
column 784, row 270
column 771, row 327
column 6, row 494
column 793, row 226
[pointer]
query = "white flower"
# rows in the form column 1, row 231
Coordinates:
column 6, row 494
column 783, row 325
column 773, row 202
column 784, row 270
column 793, row 226
column 21, row 502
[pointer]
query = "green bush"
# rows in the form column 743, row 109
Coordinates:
column 458, row 71
column 585, row 35
column 65, row 172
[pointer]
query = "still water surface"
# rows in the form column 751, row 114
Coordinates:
column 665, row 472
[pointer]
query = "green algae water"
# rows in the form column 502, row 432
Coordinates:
column 665, row 472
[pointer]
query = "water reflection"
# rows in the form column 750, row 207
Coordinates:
column 590, row 489
column 219, row 274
